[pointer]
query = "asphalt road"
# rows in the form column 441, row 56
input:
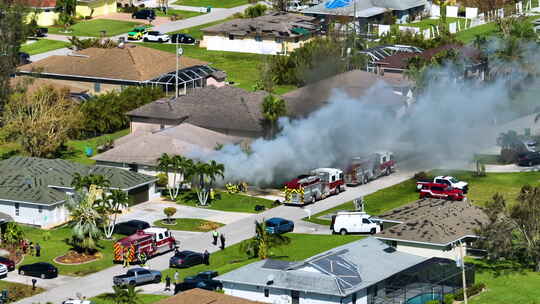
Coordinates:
column 234, row 232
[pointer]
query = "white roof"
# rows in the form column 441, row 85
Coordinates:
column 327, row 170
column 155, row 230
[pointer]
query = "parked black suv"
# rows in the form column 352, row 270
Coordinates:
column 203, row 280
column 144, row 14
column 529, row 159
column 130, row 227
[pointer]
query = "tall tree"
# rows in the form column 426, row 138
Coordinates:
column 83, row 182
column 110, row 207
column 85, row 220
column 513, row 230
column 272, row 109
column 41, row 121
column 206, row 174
column 13, row 32
column 260, row 245
column 178, row 170
column 13, row 233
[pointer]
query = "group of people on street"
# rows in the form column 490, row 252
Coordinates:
column 215, row 235
column 29, row 247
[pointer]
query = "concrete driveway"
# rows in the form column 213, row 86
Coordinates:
column 42, row 283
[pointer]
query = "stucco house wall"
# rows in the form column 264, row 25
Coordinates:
column 44, row 18
column 97, row 8
column 35, row 215
column 248, row 44
column 430, row 251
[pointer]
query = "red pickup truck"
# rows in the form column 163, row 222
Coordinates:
column 443, row 191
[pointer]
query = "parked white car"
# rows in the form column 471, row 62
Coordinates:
column 155, row 36
column 296, row 6
column 3, row 271
column 354, row 222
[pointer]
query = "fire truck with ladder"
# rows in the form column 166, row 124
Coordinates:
column 317, row 185
column 361, row 170
column 151, row 241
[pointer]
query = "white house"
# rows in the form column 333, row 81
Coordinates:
column 363, row 272
column 33, row 191
column 275, row 33
column 432, row 227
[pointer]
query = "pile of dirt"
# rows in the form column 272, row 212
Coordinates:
column 74, row 258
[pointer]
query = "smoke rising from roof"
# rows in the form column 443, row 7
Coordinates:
column 450, row 121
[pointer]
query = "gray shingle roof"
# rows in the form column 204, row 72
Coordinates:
column 274, row 25
column 364, row 8
column 369, row 261
column 433, row 221
column 227, row 107
column 32, row 180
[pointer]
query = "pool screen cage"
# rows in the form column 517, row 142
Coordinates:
column 427, row 281
column 188, row 78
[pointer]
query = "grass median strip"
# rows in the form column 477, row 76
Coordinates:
column 188, row 224
column 224, row 201
column 93, row 28
column 43, row 46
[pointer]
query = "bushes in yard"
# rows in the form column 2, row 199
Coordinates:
column 106, row 113
column 471, row 291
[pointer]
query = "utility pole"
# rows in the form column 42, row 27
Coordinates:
column 463, row 277
column 179, row 52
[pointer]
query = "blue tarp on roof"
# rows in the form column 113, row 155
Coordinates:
column 337, row 3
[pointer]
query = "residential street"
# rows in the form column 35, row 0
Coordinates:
column 235, row 232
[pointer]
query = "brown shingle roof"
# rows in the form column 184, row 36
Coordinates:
column 400, row 60
column 274, row 24
column 180, row 140
column 433, row 221
column 201, row 296
column 132, row 62
column 307, row 99
column 227, row 107
column 38, row 3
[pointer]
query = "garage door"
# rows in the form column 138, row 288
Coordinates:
column 138, row 195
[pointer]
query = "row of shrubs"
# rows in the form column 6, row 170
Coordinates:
column 458, row 296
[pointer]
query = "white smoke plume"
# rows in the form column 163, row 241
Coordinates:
column 450, row 121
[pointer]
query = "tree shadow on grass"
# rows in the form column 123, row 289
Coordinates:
column 500, row 268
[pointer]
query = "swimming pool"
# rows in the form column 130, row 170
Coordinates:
column 423, row 298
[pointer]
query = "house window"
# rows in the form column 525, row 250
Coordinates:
column 279, row 40
column 295, row 297
column 258, row 38
column 266, row 292
column 40, row 209
column 231, row 37
column 97, row 87
column 296, row 40
column 17, row 209
column 161, row 127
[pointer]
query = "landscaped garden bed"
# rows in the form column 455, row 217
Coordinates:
column 76, row 258
column 188, row 224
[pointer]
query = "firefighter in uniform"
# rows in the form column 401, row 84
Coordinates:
column 126, row 257
column 212, row 194
column 142, row 259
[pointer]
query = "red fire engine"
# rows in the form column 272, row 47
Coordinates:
column 364, row 169
column 318, row 185
column 151, row 241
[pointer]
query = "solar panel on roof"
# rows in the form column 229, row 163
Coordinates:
column 345, row 272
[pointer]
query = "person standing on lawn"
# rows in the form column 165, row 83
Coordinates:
column 206, row 257
column 38, row 250
column 176, row 278
column 167, row 283
column 215, row 235
column 222, row 240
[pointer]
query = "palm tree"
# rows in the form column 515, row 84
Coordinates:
column 81, row 182
column 110, row 207
column 272, row 109
column 260, row 245
column 207, row 174
column 85, row 221
column 13, row 233
column 180, row 167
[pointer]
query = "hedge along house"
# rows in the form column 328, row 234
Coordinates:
column 364, row 12
column 34, row 191
column 275, row 33
column 363, row 272
column 433, row 228
column 45, row 13
column 100, row 70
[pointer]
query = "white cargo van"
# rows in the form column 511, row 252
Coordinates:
column 354, row 222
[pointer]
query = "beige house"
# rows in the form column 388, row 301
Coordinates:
column 432, row 227
column 45, row 14
column 276, row 33
column 98, row 70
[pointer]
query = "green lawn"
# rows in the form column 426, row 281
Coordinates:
column 17, row 291
column 227, row 202
column 428, row 23
column 189, row 224
column 302, row 246
column 481, row 189
column 42, row 46
column 108, row 298
column 484, row 30
column 56, row 246
column 180, row 13
column 76, row 147
column 241, row 68
column 92, row 28
column 212, row 3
